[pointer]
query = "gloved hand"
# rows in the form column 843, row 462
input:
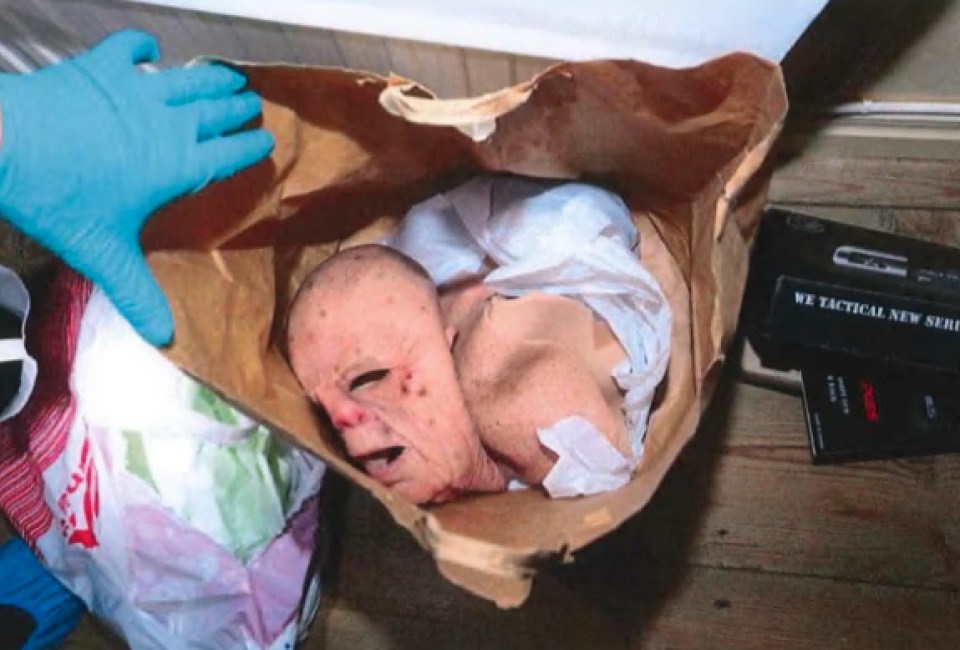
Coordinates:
column 90, row 147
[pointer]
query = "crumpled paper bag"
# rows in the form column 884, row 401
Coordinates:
column 355, row 151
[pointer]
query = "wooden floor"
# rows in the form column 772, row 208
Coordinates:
column 746, row 545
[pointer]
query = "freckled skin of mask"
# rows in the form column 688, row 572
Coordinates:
column 380, row 362
column 418, row 411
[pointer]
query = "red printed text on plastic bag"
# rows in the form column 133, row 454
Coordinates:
column 79, row 503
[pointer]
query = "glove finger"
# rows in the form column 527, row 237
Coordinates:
column 129, row 46
column 183, row 85
column 132, row 289
column 218, row 116
column 223, row 157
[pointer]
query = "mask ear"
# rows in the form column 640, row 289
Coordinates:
column 451, row 333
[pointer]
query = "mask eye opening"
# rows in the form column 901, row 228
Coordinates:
column 367, row 378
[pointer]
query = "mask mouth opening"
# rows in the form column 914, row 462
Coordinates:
column 377, row 462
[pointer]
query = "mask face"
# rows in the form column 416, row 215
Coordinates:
column 367, row 343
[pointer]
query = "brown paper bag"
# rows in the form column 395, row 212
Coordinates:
column 355, row 151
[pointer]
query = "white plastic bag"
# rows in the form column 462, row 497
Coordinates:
column 179, row 521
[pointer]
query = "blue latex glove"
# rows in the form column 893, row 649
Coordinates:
column 90, row 147
column 27, row 585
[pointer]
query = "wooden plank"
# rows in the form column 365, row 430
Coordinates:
column 85, row 23
column 487, row 71
column 852, row 523
column 440, row 68
column 314, row 46
column 610, row 600
column 757, row 502
column 264, row 42
column 525, row 68
column 861, row 182
column 564, row 621
column 20, row 24
column 707, row 608
column 619, row 591
column 360, row 52
column 942, row 227
column 712, row 608
column 348, row 629
column 177, row 44
column 214, row 35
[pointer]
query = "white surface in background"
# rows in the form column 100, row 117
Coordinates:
column 667, row 32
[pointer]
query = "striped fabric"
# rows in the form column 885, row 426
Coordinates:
column 32, row 441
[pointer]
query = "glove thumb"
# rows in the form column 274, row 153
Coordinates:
column 132, row 289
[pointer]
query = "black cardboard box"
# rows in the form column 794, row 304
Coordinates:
column 861, row 410
column 872, row 323
column 823, row 287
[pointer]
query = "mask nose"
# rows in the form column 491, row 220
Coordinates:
column 357, row 424
column 346, row 414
